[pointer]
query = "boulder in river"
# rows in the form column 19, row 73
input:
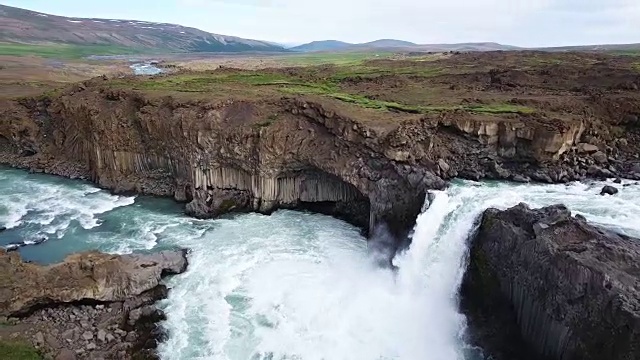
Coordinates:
column 14, row 246
column 3, row 228
column 609, row 190
column 542, row 284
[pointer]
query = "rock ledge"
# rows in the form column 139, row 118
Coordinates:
column 90, row 306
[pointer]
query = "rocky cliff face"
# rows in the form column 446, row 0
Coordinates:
column 261, row 155
column 91, row 306
column 568, row 289
column 88, row 276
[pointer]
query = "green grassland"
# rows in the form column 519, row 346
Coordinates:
column 63, row 51
column 10, row 350
column 339, row 58
column 626, row 52
column 310, row 81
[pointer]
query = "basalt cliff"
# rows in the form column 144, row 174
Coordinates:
column 542, row 284
column 221, row 152
column 214, row 157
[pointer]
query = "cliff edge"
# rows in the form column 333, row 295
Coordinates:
column 545, row 281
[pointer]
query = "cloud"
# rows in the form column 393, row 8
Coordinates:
column 520, row 22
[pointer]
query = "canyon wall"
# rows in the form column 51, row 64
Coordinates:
column 219, row 157
column 241, row 155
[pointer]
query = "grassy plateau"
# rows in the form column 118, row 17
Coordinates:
column 351, row 80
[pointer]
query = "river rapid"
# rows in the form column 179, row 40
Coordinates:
column 292, row 285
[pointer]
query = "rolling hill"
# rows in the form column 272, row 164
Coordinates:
column 20, row 26
column 325, row 45
column 603, row 47
column 398, row 45
column 387, row 43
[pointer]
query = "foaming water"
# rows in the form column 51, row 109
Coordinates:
column 43, row 207
column 270, row 290
column 293, row 285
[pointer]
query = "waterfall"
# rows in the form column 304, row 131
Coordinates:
column 433, row 266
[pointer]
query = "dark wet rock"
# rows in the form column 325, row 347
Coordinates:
column 500, row 172
column 542, row 177
column 3, row 228
column 38, row 241
column 521, row 179
column 600, row 157
column 609, row 190
column 618, row 181
column 471, row 174
column 542, row 284
column 580, row 217
column 14, row 246
column 599, row 173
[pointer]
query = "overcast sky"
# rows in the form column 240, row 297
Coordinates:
column 515, row 22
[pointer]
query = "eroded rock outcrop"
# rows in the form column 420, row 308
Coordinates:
column 91, row 306
column 565, row 288
column 89, row 276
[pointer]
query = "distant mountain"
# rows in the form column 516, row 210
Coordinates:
column 387, row 43
column 326, row 45
column 481, row 46
column 398, row 45
column 604, row 47
column 30, row 27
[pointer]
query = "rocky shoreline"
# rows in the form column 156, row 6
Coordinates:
column 542, row 284
column 91, row 306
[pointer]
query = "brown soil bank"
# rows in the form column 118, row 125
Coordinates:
column 361, row 142
column 544, row 281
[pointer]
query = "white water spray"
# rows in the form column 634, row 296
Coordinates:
column 273, row 291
